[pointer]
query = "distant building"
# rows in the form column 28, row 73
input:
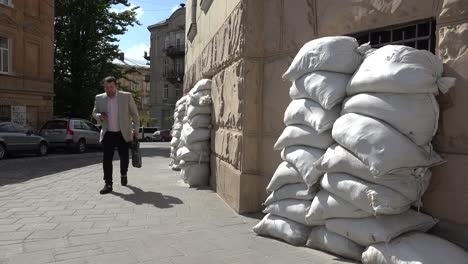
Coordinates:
column 137, row 77
column 26, row 61
column 167, row 58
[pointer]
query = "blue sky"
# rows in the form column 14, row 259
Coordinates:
column 137, row 39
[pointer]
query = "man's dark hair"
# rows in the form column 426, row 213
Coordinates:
column 109, row 79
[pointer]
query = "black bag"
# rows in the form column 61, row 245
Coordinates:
column 136, row 154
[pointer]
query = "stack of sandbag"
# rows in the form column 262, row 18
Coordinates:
column 320, row 73
column 379, row 169
column 179, row 114
column 194, row 147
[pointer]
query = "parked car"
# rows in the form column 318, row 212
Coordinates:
column 72, row 134
column 15, row 138
column 146, row 133
column 163, row 136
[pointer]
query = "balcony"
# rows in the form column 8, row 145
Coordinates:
column 174, row 76
column 175, row 51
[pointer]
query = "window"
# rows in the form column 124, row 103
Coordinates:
column 205, row 5
column 419, row 35
column 177, row 91
column 166, row 41
column 192, row 32
column 6, row 2
column 178, row 68
column 6, row 127
column 4, row 55
column 59, row 124
column 179, row 39
column 166, row 68
column 166, row 91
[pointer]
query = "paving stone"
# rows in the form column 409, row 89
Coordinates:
column 61, row 218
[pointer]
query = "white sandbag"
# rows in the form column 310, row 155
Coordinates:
column 200, row 121
column 309, row 113
column 200, row 146
column 292, row 209
column 193, row 156
column 375, row 229
column 410, row 183
column 177, row 126
column 197, row 110
column 415, row 248
column 302, row 158
column 380, row 146
column 175, row 141
column 286, row 173
column 326, row 205
column 196, row 174
column 400, row 69
column 294, row 135
column 200, row 98
column 184, row 164
column 201, row 85
column 182, row 100
column 326, row 88
column 335, row 54
column 322, row 239
column 191, row 135
column 298, row 191
column 372, row 198
column 287, row 230
column 414, row 115
column 176, row 133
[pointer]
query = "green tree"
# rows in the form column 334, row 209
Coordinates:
column 85, row 46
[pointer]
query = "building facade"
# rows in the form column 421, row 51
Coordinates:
column 137, row 77
column 245, row 46
column 26, row 61
column 167, row 57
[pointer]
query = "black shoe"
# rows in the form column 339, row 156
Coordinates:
column 123, row 180
column 107, row 189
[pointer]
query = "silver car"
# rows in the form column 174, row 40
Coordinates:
column 15, row 138
column 72, row 134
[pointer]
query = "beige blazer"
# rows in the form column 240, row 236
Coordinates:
column 128, row 112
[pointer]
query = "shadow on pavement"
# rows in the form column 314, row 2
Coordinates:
column 20, row 168
column 140, row 197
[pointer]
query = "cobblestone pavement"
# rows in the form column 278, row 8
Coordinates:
column 51, row 212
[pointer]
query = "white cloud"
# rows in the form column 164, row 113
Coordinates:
column 121, row 8
column 135, row 53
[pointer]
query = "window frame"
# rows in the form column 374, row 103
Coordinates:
column 166, row 91
column 8, row 3
column 430, row 37
column 9, row 56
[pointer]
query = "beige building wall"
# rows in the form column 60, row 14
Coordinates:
column 167, row 67
column 137, row 80
column 28, row 82
column 249, row 52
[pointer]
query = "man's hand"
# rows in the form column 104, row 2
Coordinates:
column 102, row 116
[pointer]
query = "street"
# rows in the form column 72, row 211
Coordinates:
column 51, row 212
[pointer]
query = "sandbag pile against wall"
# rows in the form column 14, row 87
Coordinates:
column 380, row 167
column 381, row 163
column 319, row 74
column 194, row 147
column 179, row 114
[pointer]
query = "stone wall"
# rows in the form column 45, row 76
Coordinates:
column 254, row 46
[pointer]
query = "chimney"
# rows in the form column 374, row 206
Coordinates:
column 182, row 5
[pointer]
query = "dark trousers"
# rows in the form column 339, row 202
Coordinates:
column 110, row 141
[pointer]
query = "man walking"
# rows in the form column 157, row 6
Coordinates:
column 113, row 110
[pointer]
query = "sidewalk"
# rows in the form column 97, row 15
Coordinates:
column 61, row 218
